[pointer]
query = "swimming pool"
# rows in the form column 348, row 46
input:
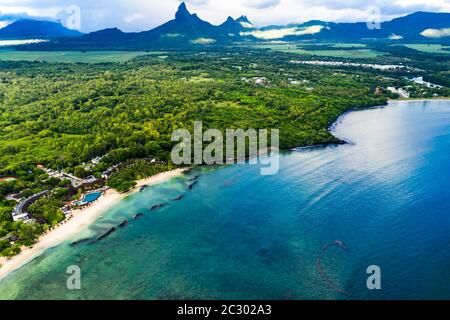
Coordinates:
column 88, row 198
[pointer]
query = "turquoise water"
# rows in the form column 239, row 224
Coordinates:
column 240, row 235
column 90, row 197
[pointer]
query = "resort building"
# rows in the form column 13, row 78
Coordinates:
column 419, row 80
column 255, row 80
column 402, row 93
column 75, row 181
column 108, row 172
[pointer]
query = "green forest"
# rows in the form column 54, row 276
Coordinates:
column 61, row 115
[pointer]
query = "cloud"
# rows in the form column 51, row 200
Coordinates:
column 13, row 16
column 246, row 25
column 133, row 17
column 262, row 4
column 7, row 18
column 203, row 41
column 436, row 33
column 197, row 2
column 274, row 34
column 138, row 15
column 9, row 43
column 129, row 15
column 395, row 37
column 387, row 7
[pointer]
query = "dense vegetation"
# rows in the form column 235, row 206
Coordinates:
column 125, row 178
column 63, row 115
column 18, row 232
column 47, row 210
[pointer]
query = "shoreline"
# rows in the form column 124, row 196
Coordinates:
column 81, row 218
column 336, row 122
column 331, row 127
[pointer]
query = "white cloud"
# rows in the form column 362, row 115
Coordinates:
column 395, row 37
column 436, row 33
column 262, row 4
column 136, row 15
column 246, row 25
column 9, row 43
column 274, row 34
column 50, row 11
column 203, row 41
column 133, row 17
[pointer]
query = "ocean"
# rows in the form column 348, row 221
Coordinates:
column 308, row 232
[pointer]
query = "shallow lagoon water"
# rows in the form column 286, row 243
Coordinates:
column 240, row 235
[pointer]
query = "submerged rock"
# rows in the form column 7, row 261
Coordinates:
column 77, row 242
column 123, row 224
column 191, row 186
column 110, row 231
column 194, row 178
column 137, row 216
column 181, row 196
column 157, row 206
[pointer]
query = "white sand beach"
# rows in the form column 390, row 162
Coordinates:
column 81, row 219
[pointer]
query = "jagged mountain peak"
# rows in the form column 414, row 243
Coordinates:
column 230, row 19
column 233, row 27
column 230, row 22
column 185, row 17
column 182, row 12
column 243, row 19
column 244, row 22
column 188, row 29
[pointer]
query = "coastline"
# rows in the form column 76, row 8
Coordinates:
column 81, row 219
column 337, row 121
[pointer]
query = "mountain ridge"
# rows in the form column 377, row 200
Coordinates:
column 28, row 28
column 188, row 29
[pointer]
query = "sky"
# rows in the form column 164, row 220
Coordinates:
column 139, row 15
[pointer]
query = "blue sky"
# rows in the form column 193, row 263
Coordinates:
column 137, row 15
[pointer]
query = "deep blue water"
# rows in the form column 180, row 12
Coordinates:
column 240, row 235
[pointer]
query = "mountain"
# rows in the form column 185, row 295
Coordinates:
column 245, row 23
column 27, row 29
column 414, row 25
column 235, row 30
column 185, row 29
column 107, row 35
column 417, row 26
column 188, row 31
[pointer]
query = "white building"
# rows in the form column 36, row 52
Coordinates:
column 20, row 217
column 402, row 93
column 419, row 80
